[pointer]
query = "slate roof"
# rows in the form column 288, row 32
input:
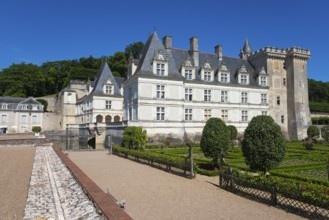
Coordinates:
column 177, row 57
column 14, row 102
column 104, row 74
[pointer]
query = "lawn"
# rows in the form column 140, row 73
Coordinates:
column 298, row 161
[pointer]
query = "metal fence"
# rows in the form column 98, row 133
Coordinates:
column 270, row 194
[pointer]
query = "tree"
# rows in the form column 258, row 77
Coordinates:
column 118, row 64
column 215, row 139
column 134, row 49
column 134, row 138
column 325, row 133
column 233, row 132
column 263, row 144
column 44, row 103
column 313, row 131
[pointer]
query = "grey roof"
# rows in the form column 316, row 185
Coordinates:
column 177, row 57
column 105, row 74
column 246, row 47
column 119, row 80
column 153, row 46
column 15, row 102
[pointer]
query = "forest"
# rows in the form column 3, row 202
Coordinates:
column 25, row 80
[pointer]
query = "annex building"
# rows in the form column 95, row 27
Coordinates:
column 173, row 92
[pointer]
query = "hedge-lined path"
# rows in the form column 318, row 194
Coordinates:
column 15, row 172
column 154, row 194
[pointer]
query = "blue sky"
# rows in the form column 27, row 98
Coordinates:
column 37, row 31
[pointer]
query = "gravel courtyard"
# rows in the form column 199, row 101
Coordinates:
column 154, row 194
column 15, row 173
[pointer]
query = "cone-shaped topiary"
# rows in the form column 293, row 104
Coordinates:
column 215, row 139
column 313, row 131
column 263, row 144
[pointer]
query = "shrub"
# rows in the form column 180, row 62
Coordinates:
column 308, row 143
column 134, row 138
column 313, row 131
column 325, row 133
column 263, row 144
column 215, row 139
column 36, row 129
column 233, row 132
column 44, row 103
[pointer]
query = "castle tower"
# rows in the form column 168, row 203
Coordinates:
column 246, row 50
column 297, row 88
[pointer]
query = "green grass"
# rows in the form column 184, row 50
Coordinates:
column 297, row 162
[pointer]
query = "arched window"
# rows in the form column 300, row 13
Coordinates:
column 108, row 118
column 116, row 118
column 99, row 118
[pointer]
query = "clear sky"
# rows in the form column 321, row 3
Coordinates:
column 36, row 31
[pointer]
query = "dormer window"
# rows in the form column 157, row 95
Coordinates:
column 160, row 64
column 206, row 72
column 108, row 89
column 243, row 76
column 223, row 74
column 188, row 70
column 262, row 77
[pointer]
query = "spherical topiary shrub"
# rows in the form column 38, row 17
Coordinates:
column 313, row 131
column 215, row 139
column 233, row 132
column 263, row 144
column 325, row 133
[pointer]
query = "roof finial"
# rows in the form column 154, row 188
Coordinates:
column 246, row 47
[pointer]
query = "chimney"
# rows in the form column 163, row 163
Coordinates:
column 167, row 42
column 219, row 52
column 194, row 50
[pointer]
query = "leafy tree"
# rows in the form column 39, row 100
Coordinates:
column 134, row 49
column 44, row 103
column 134, row 138
column 325, row 133
column 118, row 64
column 263, row 144
column 313, row 131
column 215, row 139
column 233, row 132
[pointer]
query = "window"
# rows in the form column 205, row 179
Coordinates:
column 224, row 115
column 244, row 115
column 188, row 114
column 160, row 113
column 207, row 114
column 263, row 80
column 278, row 100
column 282, row 119
column 223, row 97
column 4, row 106
column 160, row 91
column 3, row 118
column 207, row 76
column 108, row 89
column 23, row 118
column 284, row 82
column 207, row 95
column 188, row 74
column 160, row 69
column 264, row 99
column 224, row 77
column 188, row 95
column 243, row 79
column 24, row 107
column 34, row 119
column 108, row 104
column 264, row 112
column 244, row 97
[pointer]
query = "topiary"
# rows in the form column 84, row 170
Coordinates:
column 263, row 144
column 215, row 139
column 325, row 133
column 36, row 129
column 134, row 138
column 313, row 131
column 233, row 132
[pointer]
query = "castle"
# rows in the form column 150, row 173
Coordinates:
column 172, row 92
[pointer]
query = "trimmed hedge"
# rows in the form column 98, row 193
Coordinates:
column 320, row 120
column 319, row 106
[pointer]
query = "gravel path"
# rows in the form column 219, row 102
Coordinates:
column 15, row 173
column 155, row 194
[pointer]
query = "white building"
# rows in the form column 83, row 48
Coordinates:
column 174, row 91
column 18, row 115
